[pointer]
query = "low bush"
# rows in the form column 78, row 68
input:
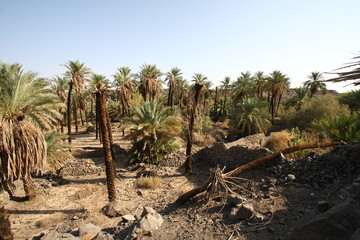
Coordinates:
column 149, row 182
column 313, row 110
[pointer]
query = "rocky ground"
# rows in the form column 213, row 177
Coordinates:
column 307, row 198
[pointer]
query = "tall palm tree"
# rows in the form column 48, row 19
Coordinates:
column 149, row 75
column 76, row 72
column 107, row 145
column 173, row 76
column 278, row 83
column 260, row 81
column 60, row 86
column 96, row 82
column 125, row 82
column 182, row 93
column 201, row 79
column 243, row 87
column 298, row 99
column 198, row 86
column 315, row 83
column 225, row 85
column 27, row 105
column 5, row 228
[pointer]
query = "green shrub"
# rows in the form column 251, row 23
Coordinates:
column 250, row 117
column 154, row 131
column 314, row 110
column 340, row 128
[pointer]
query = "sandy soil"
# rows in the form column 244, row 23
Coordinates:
column 81, row 199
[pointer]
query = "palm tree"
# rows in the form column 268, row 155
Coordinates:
column 107, row 141
column 125, row 82
column 76, row 73
column 148, row 76
column 60, row 85
column 315, row 83
column 198, row 86
column 201, row 79
column 5, row 227
column 173, row 76
column 95, row 84
column 225, row 85
column 352, row 75
column 153, row 130
column 182, row 93
column 252, row 117
column 260, row 82
column 27, row 105
column 243, row 87
column 298, row 100
column 277, row 83
column 352, row 99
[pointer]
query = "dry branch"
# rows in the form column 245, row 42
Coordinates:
column 215, row 176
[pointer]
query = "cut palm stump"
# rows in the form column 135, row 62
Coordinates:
column 219, row 179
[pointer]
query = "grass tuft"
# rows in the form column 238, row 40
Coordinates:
column 149, row 182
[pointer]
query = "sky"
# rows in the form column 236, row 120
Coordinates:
column 212, row 37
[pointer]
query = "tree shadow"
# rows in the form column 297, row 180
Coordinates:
column 67, row 211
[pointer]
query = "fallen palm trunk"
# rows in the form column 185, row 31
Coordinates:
column 209, row 183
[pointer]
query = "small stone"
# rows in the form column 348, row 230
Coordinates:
column 148, row 210
column 151, row 222
column 114, row 209
column 243, row 212
column 87, row 229
column 128, row 218
column 103, row 236
column 234, row 200
column 290, row 177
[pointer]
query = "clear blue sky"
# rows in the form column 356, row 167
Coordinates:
column 213, row 37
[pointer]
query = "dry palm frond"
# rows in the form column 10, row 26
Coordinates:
column 219, row 179
column 22, row 146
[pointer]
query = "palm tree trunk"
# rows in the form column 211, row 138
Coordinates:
column 272, row 106
column 81, row 118
column 91, row 110
column 76, row 117
column 279, row 100
column 29, row 187
column 108, row 123
column 69, row 111
column 97, row 114
column 188, row 162
column 5, row 226
column 110, row 173
column 216, row 105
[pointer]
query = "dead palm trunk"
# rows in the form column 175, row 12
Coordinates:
column 69, row 111
column 209, row 183
column 5, row 226
column 110, row 168
column 76, row 116
column 188, row 162
column 216, row 105
column 97, row 114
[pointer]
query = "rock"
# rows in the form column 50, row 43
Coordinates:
column 150, row 222
column 243, row 212
column 290, row 177
column 234, row 200
column 50, row 236
column 114, row 209
column 138, row 213
column 356, row 235
column 103, row 236
column 87, row 229
column 323, row 206
column 340, row 222
column 128, row 218
column 148, row 210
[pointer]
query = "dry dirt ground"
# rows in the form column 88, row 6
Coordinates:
column 79, row 199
